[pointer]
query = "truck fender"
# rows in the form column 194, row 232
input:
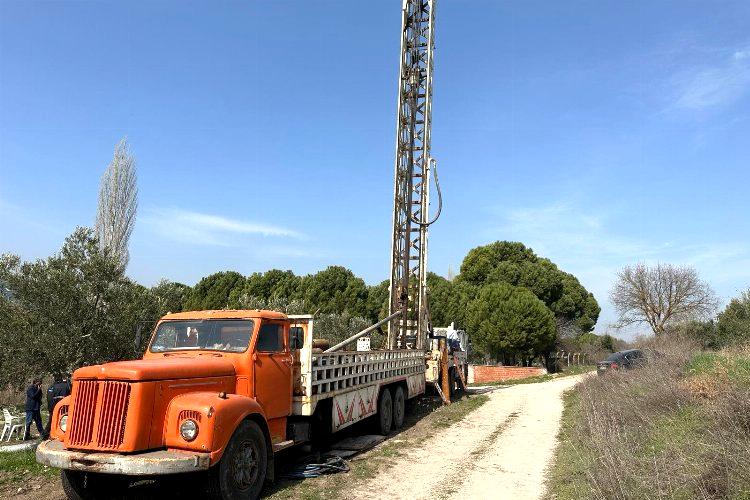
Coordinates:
column 217, row 416
column 55, row 432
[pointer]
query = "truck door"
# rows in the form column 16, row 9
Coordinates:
column 272, row 370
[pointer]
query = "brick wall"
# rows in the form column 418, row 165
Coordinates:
column 482, row 374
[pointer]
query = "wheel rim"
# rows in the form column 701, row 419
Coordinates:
column 387, row 414
column 245, row 465
column 399, row 409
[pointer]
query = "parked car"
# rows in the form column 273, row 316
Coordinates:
column 632, row 358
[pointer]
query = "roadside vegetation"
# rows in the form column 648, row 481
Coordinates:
column 21, row 468
column 79, row 307
column 676, row 428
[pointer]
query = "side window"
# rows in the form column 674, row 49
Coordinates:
column 296, row 337
column 270, row 338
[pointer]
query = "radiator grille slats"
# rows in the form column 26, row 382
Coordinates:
column 84, row 409
column 111, row 429
column 100, row 406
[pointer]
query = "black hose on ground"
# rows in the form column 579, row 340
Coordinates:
column 333, row 465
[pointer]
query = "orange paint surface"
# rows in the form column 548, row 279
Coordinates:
column 130, row 406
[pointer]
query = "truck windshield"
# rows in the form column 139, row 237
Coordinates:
column 213, row 335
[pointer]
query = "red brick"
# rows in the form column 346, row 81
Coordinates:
column 484, row 374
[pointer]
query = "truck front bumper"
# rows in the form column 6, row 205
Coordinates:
column 152, row 463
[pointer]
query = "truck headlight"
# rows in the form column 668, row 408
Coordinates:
column 63, row 423
column 189, row 429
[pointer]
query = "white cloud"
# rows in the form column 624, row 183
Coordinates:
column 714, row 85
column 207, row 229
column 585, row 242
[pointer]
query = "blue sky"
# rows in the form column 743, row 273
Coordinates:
column 599, row 133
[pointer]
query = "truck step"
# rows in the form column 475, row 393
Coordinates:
column 282, row 445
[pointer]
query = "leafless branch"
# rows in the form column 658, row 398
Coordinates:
column 661, row 294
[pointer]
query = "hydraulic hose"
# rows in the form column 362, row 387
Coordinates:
column 433, row 168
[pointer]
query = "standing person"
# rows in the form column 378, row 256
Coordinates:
column 55, row 393
column 34, row 408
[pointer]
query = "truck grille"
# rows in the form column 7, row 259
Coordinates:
column 112, row 416
column 100, row 406
column 84, row 409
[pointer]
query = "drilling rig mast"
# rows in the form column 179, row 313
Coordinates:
column 408, row 285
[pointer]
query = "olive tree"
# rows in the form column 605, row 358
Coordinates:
column 661, row 295
column 73, row 308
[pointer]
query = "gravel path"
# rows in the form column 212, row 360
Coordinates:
column 501, row 450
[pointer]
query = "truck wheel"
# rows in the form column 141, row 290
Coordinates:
column 460, row 388
column 79, row 485
column 452, row 383
column 385, row 412
column 242, row 470
column 399, row 407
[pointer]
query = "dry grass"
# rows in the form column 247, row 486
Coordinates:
column 677, row 428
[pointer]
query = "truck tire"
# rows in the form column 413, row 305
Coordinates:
column 452, row 383
column 385, row 412
column 399, row 407
column 241, row 472
column 80, row 485
column 461, row 389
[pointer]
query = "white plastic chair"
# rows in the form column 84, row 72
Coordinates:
column 13, row 423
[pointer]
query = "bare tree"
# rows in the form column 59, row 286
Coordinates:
column 660, row 295
column 118, row 204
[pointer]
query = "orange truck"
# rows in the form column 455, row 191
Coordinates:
column 221, row 392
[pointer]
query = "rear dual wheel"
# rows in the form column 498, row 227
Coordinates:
column 391, row 410
column 399, row 407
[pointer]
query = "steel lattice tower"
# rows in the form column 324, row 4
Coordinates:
column 411, row 178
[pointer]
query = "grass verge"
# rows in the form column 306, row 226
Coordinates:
column 367, row 465
column 677, row 428
column 19, row 466
column 567, row 480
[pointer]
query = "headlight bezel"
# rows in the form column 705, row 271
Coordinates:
column 62, row 423
column 189, row 429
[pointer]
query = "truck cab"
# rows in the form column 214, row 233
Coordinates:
column 212, row 392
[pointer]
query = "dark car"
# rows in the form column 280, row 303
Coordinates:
column 632, row 358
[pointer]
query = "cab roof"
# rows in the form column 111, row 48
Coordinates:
column 226, row 314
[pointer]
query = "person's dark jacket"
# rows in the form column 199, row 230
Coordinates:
column 33, row 398
column 56, row 392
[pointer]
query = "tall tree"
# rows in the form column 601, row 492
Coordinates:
column 504, row 320
column 335, row 290
column 377, row 301
column 272, row 284
column 733, row 325
column 661, row 295
column 118, row 204
column 515, row 264
column 170, row 296
column 215, row 291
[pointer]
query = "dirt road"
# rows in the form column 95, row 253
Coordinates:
column 499, row 451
